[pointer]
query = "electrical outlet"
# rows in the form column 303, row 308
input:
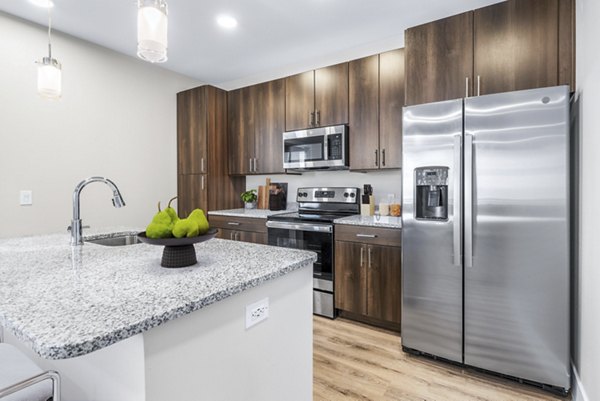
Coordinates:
column 26, row 197
column 257, row 312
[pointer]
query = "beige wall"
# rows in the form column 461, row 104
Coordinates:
column 117, row 118
column 587, row 317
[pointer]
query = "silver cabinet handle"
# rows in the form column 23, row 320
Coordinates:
column 478, row 85
column 233, row 223
column 376, row 158
column 231, row 235
column 202, row 165
column 383, row 157
column 311, row 119
column 359, row 235
column 457, row 202
column 250, row 164
column 468, row 201
column 369, row 251
column 236, row 236
column 362, row 255
column 255, row 165
column 322, row 228
column 318, row 122
column 202, row 182
column 467, row 87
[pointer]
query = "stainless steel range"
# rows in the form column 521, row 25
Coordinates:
column 311, row 228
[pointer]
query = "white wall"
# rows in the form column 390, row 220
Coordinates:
column 383, row 182
column 117, row 118
column 587, row 344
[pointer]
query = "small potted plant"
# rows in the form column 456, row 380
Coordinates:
column 249, row 199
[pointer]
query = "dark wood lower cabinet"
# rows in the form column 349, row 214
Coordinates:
column 384, row 300
column 350, row 277
column 368, row 275
column 240, row 228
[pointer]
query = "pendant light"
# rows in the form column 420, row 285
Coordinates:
column 49, row 80
column 152, row 30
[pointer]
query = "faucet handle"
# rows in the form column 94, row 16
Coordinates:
column 69, row 228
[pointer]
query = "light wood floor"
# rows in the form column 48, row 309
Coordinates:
column 356, row 362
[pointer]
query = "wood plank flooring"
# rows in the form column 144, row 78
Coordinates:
column 353, row 361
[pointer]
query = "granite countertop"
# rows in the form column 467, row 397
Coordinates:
column 65, row 301
column 252, row 213
column 371, row 221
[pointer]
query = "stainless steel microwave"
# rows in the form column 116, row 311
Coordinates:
column 323, row 148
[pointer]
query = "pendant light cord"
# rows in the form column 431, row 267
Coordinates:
column 49, row 33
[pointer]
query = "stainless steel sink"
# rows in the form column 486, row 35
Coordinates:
column 121, row 240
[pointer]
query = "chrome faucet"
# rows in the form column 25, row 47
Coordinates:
column 76, row 229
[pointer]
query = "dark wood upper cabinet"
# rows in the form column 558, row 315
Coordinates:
column 331, row 95
column 241, row 117
column 516, row 46
column 364, row 113
column 270, row 125
column 191, row 132
column 513, row 45
column 256, row 124
column 439, row 59
column 203, row 180
column 317, row 98
column 299, row 101
column 391, row 101
column 376, row 98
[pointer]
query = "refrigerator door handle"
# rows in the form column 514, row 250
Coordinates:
column 457, row 202
column 468, row 200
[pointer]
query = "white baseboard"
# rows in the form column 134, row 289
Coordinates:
column 579, row 393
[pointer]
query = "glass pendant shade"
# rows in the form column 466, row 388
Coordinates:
column 152, row 31
column 49, row 80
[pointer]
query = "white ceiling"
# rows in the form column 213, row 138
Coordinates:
column 273, row 37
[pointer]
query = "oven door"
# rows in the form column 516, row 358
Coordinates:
column 308, row 236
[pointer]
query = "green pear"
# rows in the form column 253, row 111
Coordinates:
column 198, row 216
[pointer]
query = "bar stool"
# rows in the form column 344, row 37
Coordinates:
column 22, row 380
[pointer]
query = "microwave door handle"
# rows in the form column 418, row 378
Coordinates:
column 325, row 147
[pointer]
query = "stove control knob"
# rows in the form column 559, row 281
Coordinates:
column 346, row 194
column 352, row 195
column 304, row 194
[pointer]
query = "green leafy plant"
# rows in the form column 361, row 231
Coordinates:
column 249, row 196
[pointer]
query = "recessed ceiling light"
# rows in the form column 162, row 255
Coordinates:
column 226, row 21
column 42, row 3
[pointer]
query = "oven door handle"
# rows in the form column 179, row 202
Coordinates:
column 320, row 228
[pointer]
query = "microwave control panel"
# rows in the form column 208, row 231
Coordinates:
column 335, row 147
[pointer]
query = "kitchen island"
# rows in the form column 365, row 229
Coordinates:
column 118, row 326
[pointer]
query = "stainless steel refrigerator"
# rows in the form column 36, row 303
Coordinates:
column 485, row 261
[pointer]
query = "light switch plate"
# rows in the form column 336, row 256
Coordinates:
column 26, row 197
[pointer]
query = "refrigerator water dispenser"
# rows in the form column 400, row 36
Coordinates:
column 431, row 193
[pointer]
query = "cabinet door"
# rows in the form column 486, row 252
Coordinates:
column 331, row 95
column 384, row 299
column 191, row 193
column 350, row 277
column 224, row 233
column 270, row 124
column 251, row 236
column 299, row 101
column 516, row 45
column 391, row 100
column 439, row 59
column 364, row 113
column 191, row 132
column 241, row 115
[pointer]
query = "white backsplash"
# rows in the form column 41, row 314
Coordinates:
column 383, row 182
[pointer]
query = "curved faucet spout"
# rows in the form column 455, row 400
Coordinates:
column 76, row 229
